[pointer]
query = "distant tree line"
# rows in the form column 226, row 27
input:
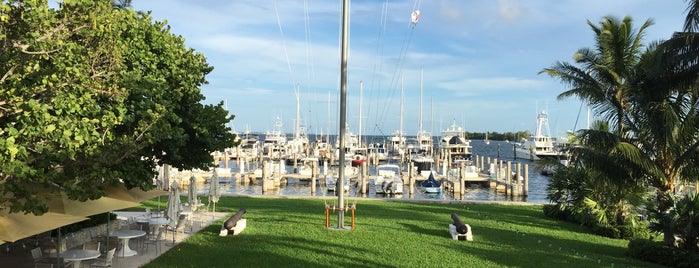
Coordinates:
column 497, row 136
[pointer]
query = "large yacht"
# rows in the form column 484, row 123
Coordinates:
column 454, row 144
column 249, row 145
column 540, row 145
column 275, row 141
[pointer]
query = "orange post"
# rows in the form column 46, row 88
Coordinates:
column 352, row 218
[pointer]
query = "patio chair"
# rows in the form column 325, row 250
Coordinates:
column 181, row 224
column 92, row 245
column 38, row 255
column 40, row 259
column 106, row 261
column 155, row 241
column 114, row 243
column 143, row 226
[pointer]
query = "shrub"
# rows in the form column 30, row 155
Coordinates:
column 554, row 211
column 607, row 231
column 651, row 251
column 630, row 232
column 660, row 253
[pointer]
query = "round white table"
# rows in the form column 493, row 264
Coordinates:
column 125, row 236
column 75, row 256
column 158, row 221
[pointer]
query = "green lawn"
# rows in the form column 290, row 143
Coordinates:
column 290, row 232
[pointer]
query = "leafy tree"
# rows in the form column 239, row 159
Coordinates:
column 91, row 96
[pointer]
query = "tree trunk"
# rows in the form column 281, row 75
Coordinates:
column 665, row 202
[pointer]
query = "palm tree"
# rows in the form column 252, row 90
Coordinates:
column 653, row 100
column 664, row 117
column 691, row 22
column 597, row 186
column 604, row 72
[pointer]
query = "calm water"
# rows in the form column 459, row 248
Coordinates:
column 499, row 149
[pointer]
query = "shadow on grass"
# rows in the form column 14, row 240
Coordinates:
column 291, row 233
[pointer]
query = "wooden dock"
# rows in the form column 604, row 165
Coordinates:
column 489, row 172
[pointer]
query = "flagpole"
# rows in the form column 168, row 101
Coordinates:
column 343, row 115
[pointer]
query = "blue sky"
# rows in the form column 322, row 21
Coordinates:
column 480, row 59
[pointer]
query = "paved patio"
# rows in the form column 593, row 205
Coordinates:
column 145, row 256
column 19, row 255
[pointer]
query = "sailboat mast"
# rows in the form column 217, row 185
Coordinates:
column 297, row 133
column 419, row 130
column 359, row 134
column 327, row 127
column 400, row 124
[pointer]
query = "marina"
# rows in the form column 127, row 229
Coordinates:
column 297, row 180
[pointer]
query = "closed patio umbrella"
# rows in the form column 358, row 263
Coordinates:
column 214, row 190
column 173, row 205
column 192, row 194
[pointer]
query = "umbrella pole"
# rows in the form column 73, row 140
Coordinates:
column 58, row 249
column 106, row 237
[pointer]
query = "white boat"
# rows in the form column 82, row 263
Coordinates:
column 297, row 147
column 388, row 179
column 249, row 145
column 351, row 145
column 398, row 140
column 422, row 158
column 272, row 168
column 321, row 149
column 454, row 144
column 540, row 145
column 274, row 144
column 378, row 151
column 423, row 164
column 331, row 183
column 398, row 143
column 425, row 142
column 307, row 166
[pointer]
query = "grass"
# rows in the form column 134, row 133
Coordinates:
column 290, row 232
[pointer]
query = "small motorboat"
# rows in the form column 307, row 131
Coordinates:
column 388, row 179
column 431, row 185
column 331, row 183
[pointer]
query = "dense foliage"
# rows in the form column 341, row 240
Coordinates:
column 91, row 95
column 651, row 100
